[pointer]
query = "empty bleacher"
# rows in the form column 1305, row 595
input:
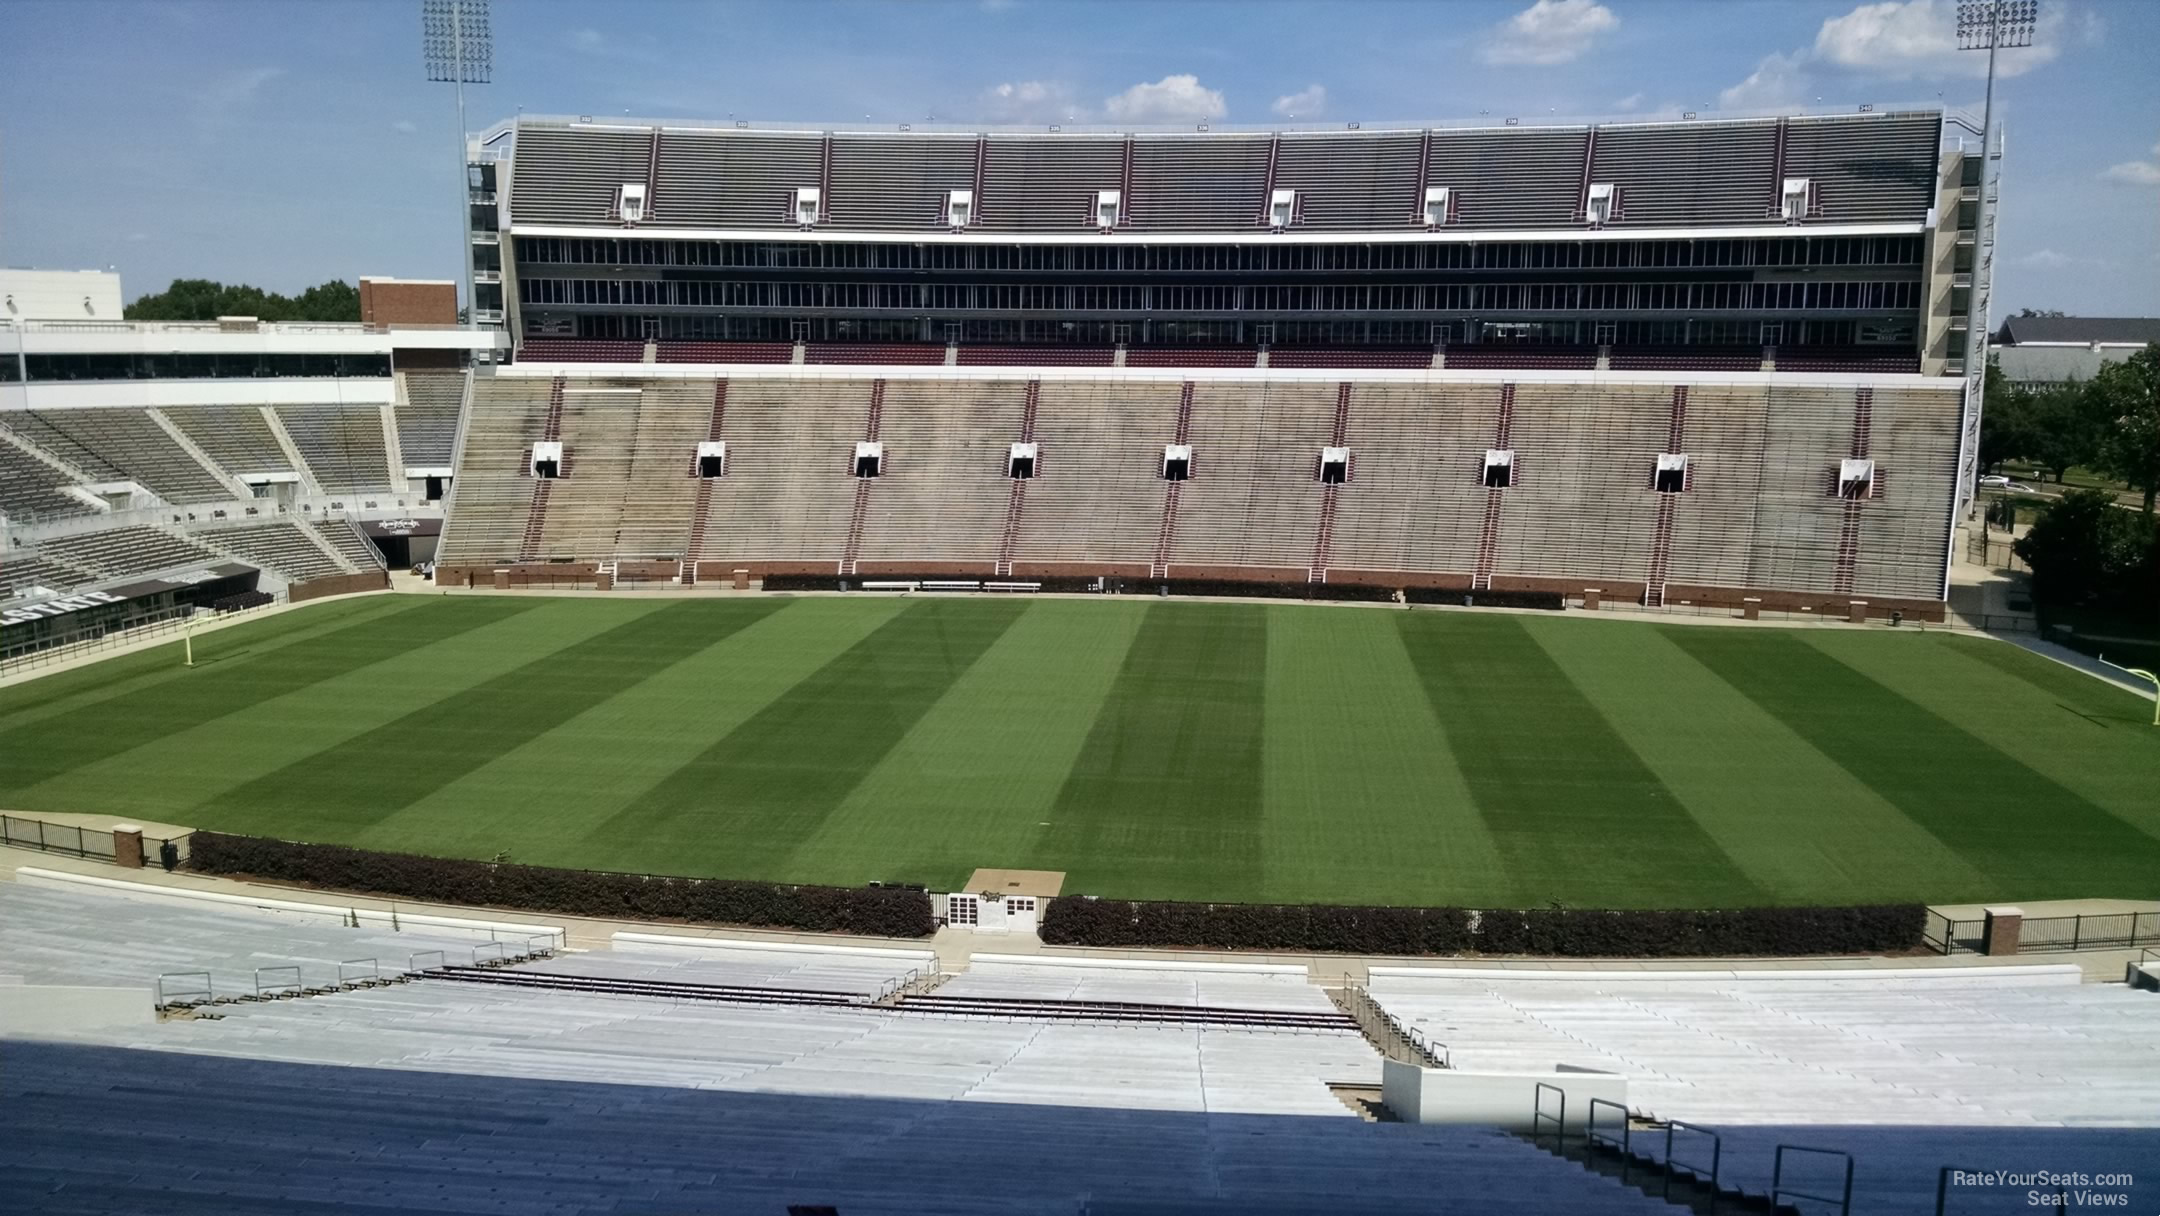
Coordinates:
column 1869, row 360
column 1254, row 496
column 726, row 352
column 944, row 490
column 895, row 181
column 1349, row 185
column 1414, row 501
column 233, row 435
column 1906, row 1070
column 493, row 490
column 1514, row 355
column 284, row 549
column 1351, row 356
column 1582, row 505
column 344, row 536
column 342, row 444
column 1686, row 358
column 726, row 179
column 789, row 491
column 580, row 350
column 1193, row 356
column 1037, row 356
column 20, row 572
column 123, row 551
column 30, row 488
column 1758, row 511
column 1047, row 183
column 428, row 418
column 121, row 445
column 873, row 352
column 1097, row 494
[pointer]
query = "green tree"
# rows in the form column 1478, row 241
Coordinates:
column 2005, row 419
column 2086, row 552
column 2064, row 428
column 207, row 300
column 2126, row 400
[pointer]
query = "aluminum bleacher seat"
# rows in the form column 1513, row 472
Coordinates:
column 30, row 488
column 234, row 435
column 1414, row 500
column 1913, row 439
column 284, row 549
column 121, row 444
column 585, row 503
column 19, row 573
column 123, row 551
column 1186, row 183
column 1254, row 496
column 726, row 352
column 342, row 444
column 493, row 492
column 944, row 491
column 428, row 419
column 731, row 179
column 1097, row 494
column 1714, row 521
column 1798, row 515
column 1582, row 505
column 1047, row 183
column 345, row 536
column 789, row 492
column 673, row 417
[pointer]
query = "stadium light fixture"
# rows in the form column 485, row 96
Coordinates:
column 458, row 49
column 1984, row 25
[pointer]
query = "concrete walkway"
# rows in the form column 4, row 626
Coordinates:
column 957, row 947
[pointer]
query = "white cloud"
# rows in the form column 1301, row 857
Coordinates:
column 1629, row 104
column 2049, row 259
column 1179, row 98
column 1308, row 102
column 1030, row 101
column 2133, row 173
column 1778, row 80
column 1548, row 32
column 404, row 126
column 1909, row 38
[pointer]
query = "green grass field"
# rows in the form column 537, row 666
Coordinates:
column 1148, row 748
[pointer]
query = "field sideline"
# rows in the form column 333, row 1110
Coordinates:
column 1148, row 748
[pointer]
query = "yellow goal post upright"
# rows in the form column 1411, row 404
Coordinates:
column 2146, row 676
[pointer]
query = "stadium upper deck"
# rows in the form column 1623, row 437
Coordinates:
column 1797, row 230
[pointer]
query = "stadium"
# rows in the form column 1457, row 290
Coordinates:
column 919, row 667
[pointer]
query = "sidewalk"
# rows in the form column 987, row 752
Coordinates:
column 957, row 947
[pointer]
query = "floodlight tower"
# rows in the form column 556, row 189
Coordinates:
column 1984, row 25
column 456, row 45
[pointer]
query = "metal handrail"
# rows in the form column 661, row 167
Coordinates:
column 1624, row 1141
column 1717, row 1153
column 413, row 963
column 374, row 971
column 292, row 987
column 1538, row 1117
column 1779, row 1191
column 167, row 998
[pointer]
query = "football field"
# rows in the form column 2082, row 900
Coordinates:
column 1148, row 748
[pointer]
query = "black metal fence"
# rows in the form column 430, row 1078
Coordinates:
column 2040, row 934
column 21, row 832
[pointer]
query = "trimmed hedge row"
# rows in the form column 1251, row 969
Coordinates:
column 1552, row 932
column 879, row 912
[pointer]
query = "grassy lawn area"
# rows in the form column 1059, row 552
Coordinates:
column 1148, row 748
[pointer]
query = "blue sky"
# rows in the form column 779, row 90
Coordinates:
column 284, row 143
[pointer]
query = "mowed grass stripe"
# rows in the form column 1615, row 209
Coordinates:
column 215, row 691
column 769, row 784
column 1788, row 815
column 1576, row 814
column 1164, row 801
column 553, row 799
column 2032, row 837
column 181, row 772
column 973, row 780
column 63, row 691
column 364, row 779
column 2085, row 735
column 1360, row 790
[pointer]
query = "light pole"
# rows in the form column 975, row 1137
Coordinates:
column 457, row 47
column 1984, row 25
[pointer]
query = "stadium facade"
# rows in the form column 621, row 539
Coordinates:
column 1707, row 361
